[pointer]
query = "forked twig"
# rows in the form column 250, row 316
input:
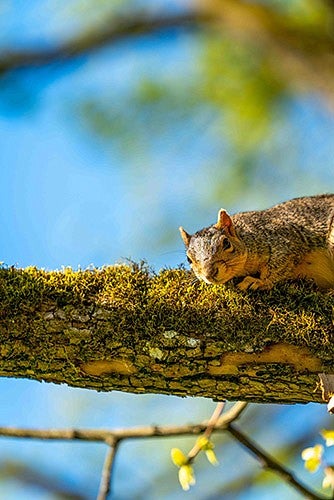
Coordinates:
column 217, row 423
column 208, row 431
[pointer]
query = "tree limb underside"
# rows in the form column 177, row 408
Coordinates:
column 124, row 328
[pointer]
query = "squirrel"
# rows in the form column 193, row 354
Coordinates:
column 292, row 240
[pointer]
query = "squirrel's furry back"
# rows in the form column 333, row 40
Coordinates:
column 294, row 239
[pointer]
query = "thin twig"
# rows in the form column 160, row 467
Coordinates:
column 103, row 435
column 214, row 419
column 270, row 463
column 105, row 484
column 208, row 431
column 223, row 424
column 232, row 414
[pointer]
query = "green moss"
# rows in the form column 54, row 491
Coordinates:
column 137, row 306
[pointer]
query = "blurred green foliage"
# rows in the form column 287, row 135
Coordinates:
column 229, row 92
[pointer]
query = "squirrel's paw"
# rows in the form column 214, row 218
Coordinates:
column 251, row 283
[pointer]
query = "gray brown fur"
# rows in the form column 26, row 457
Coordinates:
column 294, row 239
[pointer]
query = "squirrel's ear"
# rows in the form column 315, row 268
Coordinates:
column 225, row 222
column 185, row 236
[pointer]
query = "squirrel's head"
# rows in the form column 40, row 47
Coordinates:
column 216, row 254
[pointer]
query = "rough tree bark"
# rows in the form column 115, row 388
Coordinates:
column 125, row 328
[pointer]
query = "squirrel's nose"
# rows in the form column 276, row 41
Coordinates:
column 211, row 272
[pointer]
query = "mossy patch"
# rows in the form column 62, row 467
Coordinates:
column 134, row 305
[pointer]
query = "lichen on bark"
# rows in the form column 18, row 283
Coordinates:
column 124, row 327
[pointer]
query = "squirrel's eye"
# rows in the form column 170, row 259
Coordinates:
column 189, row 260
column 226, row 244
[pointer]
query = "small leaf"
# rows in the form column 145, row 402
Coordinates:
column 207, row 446
column 312, row 457
column 186, row 477
column 211, row 456
column 178, row 458
column 202, row 442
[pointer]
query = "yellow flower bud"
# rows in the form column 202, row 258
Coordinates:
column 328, row 437
column 203, row 443
column 186, row 477
column 178, row 457
column 211, row 456
column 312, row 457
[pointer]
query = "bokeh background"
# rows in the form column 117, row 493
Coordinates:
column 106, row 150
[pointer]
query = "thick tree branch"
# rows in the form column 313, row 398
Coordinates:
column 121, row 328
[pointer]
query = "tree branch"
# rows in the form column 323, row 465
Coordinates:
column 117, row 435
column 122, row 328
column 304, row 53
column 196, row 449
column 225, row 423
column 272, row 464
column 105, row 486
column 116, row 30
